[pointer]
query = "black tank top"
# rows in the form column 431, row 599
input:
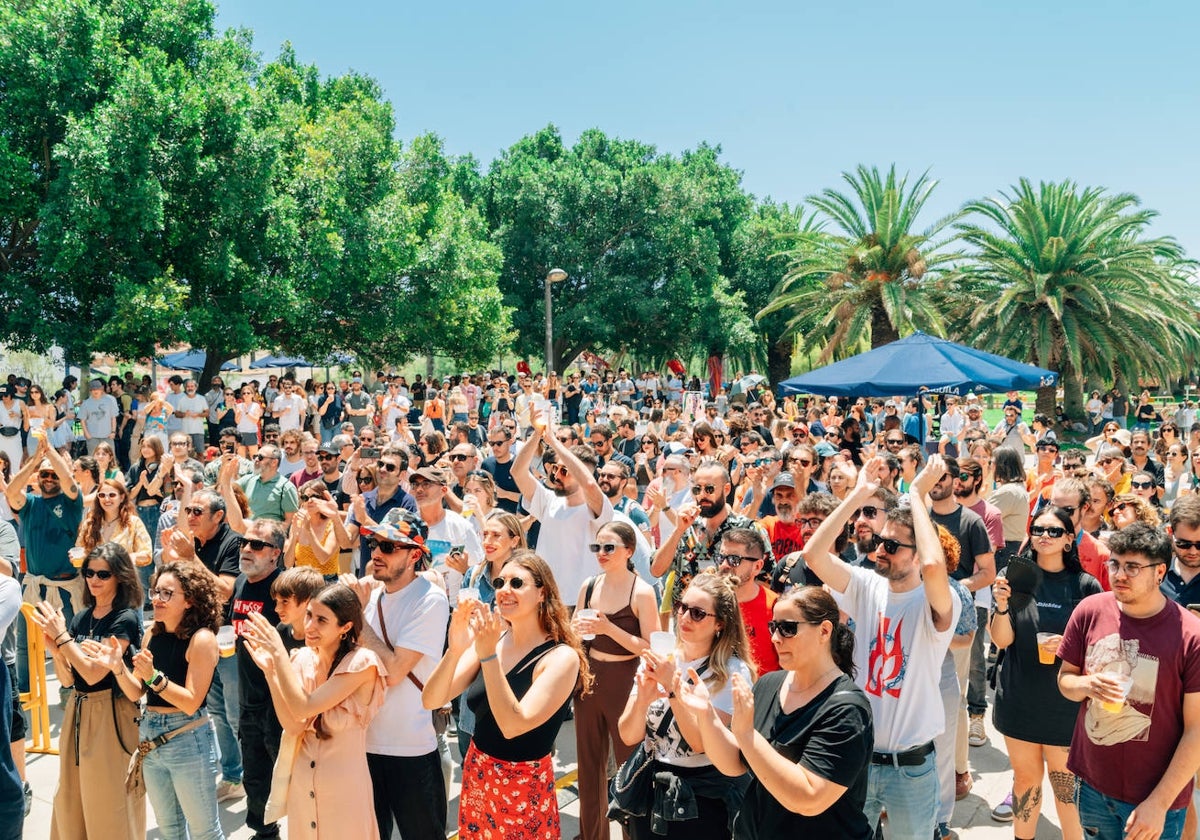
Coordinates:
column 170, row 657
column 534, row 744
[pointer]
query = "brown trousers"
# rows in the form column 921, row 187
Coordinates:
column 596, row 718
column 91, row 802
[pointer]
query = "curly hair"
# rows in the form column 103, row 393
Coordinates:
column 199, row 586
column 93, row 522
column 950, row 548
column 1142, row 509
column 552, row 614
column 731, row 639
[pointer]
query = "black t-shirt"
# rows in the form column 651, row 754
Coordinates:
column 833, row 737
column 250, row 598
column 222, row 555
column 967, row 527
column 340, row 497
column 123, row 624
column 1028, row 704
column 502, row 475
column 135, row 473
column 290, row 642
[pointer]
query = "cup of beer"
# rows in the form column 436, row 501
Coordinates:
column 1125, row 683
column 227, row 641
column 1047, row 647
column 76, row 555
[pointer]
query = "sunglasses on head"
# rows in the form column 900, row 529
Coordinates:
column 694, row 613
column 1052, row 531
column 256, row 545
column 697, row 489
column 513, row 583
column 102, row 574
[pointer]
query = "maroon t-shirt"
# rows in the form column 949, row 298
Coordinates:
column 1124, row 755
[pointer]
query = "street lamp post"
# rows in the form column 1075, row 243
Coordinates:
column 553, row 276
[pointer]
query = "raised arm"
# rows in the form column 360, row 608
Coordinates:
column 935, row 578
column 818, row 551
column 521, row 474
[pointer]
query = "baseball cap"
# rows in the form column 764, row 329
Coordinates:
column 329, row 449
column 784, row 479
column 434, row 474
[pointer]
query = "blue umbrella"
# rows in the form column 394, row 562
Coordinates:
column 917, row 363
column 192, row 360
column 280, row 362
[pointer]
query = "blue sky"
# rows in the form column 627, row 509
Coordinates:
column 1105, row 93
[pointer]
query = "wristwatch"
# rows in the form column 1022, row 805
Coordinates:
column 159, row 681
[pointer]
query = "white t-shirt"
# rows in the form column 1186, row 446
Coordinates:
column 174, row 422
column 192, row 425
column 248, row 417
column 952, row 424
column 288, row 411
column 394, row 409
column 416, row 619
column 564, row 537
column 670, row 748
column 898, row 654
column 454, row 529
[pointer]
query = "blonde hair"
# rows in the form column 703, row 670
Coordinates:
column 731, row 640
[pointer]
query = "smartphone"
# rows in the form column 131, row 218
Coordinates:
column 229, row 447
column 1194, row 607
column 457, row 549
column 369, row 452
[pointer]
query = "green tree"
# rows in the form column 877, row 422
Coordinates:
column 1068, row 279
column 876, row 277
column 644, row 238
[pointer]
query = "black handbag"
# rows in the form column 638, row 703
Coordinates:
column 631, row 790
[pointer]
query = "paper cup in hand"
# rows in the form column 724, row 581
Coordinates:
column 1125, row 683
column 1047, row 648
column 468, row 594
column 76, row 556
column 588, row 614
column 662, row 642
column 227, row 641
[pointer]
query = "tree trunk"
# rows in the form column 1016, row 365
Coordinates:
column 1045, row 402
column 1072, row 387
column 882, row 330
column 779, row 359
column 213, row 360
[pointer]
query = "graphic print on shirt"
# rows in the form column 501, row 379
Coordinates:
column 887, row 665
column 244, row 608
column 1132, row 723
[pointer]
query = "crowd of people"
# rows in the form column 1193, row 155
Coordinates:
column 769, row 617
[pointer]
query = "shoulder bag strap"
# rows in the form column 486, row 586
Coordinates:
column 387, row 641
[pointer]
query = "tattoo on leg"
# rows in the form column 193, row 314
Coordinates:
column 1063, row 784
column 1027, row 803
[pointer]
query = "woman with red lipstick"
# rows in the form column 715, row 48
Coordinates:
column 1036, row 720
column 519, row 664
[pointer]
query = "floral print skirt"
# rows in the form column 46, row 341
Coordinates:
column 508, row 799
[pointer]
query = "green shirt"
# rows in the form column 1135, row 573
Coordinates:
column 50, row 526
column 270, row 499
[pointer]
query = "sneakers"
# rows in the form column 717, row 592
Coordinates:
column 28, row 799
column 976, row 734
column 1004, row 812
column 962, row 785
column 943, row 832
column 229, row 790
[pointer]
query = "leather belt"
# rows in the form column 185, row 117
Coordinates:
column 906, row 758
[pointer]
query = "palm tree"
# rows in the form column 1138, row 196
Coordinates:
column 873, row 280
column 1068, row 280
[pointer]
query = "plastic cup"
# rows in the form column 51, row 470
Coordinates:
column 467, row 512
column 662, row 642
column 76, row 556
column 1047, row 648
column 1125, row 683
column 226, row 641
column 586, row 613
column 38, row 433
column 466, row 593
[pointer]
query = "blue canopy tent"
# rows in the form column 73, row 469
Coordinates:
column 919, row 363
column 299, row 361
column 190, row 360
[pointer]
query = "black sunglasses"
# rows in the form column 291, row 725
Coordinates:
column 325, row 456
column 869, row 511
column 385, row 546
column 256, row 545
column 388, row 466
column 1052, row 531
column 732, row 560
column 1141, row 485
column 1184, row 545
column 892, row 546
column 694, row 613
column 786, row 628
column 195, row 511
column 514, row 583
column 458, row 456
column 102, row 574
column 47, row 474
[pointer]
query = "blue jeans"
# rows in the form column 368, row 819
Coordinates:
column 909, row 794
column 327, row 434
column 1104, row 818
column 149, row 514
column 223, row 708
column 181, row 778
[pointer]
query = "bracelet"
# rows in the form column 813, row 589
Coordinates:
column 488, row 658
column 1000, row 612
column 166, row 681
column 153, row 677
column 59, row 642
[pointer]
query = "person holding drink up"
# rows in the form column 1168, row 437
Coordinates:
column 1033, row 599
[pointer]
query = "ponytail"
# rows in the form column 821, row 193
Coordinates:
column 842, row 647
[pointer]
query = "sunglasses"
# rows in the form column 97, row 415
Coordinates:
column 704, row 488
column 458, row 457
column 694, row 613
column 1184, row 545
column 785, row 628
column 108, row 495
column 325, row 456
column 1141, row 485
column 102, row 574
column 896, row 441
column 892, row 546
column 48, row 474
column 365, row 479
column 732, row 560
column 869, row 511
column 1120, row 506
column 1052, row 531
column 1070, row 509
column 195, row 511
column 799, row 434
column 388, row 466
column 514, row 583
column 497, row 442
column 256, row 545
column 804, row 462
column 602, row 548
column 385, row 546
column 308, row 497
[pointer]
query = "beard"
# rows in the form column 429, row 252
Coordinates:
column 786, row 512
column 669, row 488
column 713, row 508
column 556, row 488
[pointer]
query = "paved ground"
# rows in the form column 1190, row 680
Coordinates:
column 972, row 818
